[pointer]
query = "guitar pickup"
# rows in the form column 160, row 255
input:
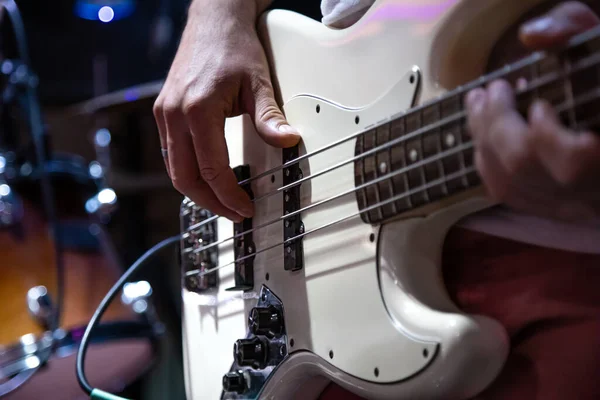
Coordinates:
column 243, row 246
column 293, row 252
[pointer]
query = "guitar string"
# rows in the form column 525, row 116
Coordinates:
column 592, row 95
column 526, row 62
column 440, row 181
column 577, row 102
column 380, row 179
column 508, row 69
column 550, row 77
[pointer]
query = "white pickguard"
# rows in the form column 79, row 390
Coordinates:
column 374, row 305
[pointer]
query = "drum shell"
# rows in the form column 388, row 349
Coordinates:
column 27, row 260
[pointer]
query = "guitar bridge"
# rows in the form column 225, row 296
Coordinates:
column 198, row 233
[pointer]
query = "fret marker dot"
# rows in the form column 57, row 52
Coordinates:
column 413, row 155
column 450, row 140
column 383, row 168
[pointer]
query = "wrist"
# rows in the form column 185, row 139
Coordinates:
column 243, row 10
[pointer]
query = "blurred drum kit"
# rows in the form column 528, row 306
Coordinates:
column 57, row 260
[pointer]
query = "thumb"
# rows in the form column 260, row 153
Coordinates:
column 269, row 121
column 558, row 26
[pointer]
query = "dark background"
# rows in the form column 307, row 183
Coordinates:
column 64, row 46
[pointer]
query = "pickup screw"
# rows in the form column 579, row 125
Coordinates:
column 287, row 224
column 288, row 250
column 301, row 228
column 250, row 249
column 287, row 172
column 287, row 198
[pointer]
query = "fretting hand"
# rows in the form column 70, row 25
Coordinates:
column 538, row 166
column 220, row 71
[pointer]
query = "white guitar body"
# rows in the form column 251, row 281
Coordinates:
column 368, row 310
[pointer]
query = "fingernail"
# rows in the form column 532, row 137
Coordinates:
column 474, row 97
column 246, row 212
column 539, row 25
column 541, row 111
column 285, row 128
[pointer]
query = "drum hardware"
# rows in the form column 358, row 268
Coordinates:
column 41, row 307
column 104, row 203
column 20, row 91
column 11, row 209
column 19, row 362
column 137, row 295
column 25, row 359
column 40, row 352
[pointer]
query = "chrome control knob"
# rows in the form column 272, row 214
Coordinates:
column 251, row 352
column 235, row 382
column 265, row 321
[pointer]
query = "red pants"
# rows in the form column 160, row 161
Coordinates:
column 549, row 302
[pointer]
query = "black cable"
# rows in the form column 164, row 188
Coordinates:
column 80, row 366
column 37, row 134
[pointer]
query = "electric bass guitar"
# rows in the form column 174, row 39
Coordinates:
column 337, row 277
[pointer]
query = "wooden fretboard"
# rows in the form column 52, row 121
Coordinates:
column 430, row 143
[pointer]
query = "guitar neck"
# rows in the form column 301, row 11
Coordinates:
column 426, row 155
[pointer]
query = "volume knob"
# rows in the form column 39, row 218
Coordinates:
column 234, row 382
column 266, row 321
column 251, row 352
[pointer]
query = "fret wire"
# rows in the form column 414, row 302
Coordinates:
column 568, row 88
column 422, row 172
column 391, row 181
column 405, row 150
column 378, row 210
column 440, row 148
column 363, row 177
column 461, row 156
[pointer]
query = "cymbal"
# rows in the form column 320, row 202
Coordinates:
column 118, row 100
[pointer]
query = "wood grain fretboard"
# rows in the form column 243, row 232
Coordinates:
column 427, row 154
